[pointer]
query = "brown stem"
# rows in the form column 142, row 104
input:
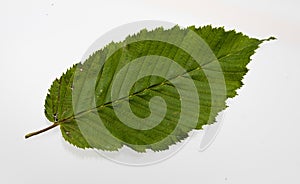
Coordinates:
column 41, row 131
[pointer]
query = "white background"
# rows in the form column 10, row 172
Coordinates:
column 258, row 143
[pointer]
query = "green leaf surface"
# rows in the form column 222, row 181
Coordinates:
column 200, row 66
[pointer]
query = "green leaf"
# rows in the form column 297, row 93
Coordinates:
column 150, row 90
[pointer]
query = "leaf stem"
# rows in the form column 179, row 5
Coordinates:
column 43, row 130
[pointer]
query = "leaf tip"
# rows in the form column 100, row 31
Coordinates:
column 270, row 38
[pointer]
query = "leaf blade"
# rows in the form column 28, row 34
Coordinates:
column 232, row 50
